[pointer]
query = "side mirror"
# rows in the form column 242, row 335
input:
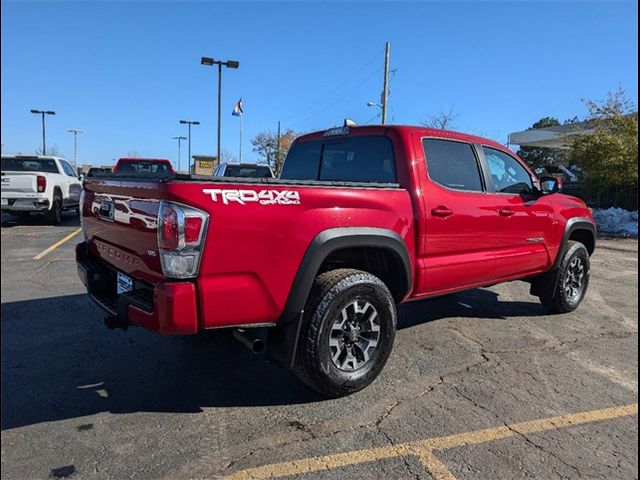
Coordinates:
column 550, row 185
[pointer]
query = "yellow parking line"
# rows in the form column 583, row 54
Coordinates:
column 433, row 464
column 57, row 244
column 425, row 449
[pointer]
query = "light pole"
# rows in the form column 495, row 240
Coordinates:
column 75, row 132
column 374, row 104
column 189, row 122
column 180, row 138
column 208, row 61
column 43, row 113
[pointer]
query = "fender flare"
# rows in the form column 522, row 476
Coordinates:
column 573, row 224
column 283, row 338
column 548, row 282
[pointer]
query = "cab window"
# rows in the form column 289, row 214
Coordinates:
column 508, row 174
column 68, row 169
column 452, row 164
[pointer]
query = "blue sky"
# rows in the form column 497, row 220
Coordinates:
column 127, row 72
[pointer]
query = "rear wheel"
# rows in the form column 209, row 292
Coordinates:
column 572, row 280
column 348, row 332
column 54, row 215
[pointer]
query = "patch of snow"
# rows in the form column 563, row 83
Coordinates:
column 616, row 221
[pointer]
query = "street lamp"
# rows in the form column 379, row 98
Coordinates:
column 375, row 104
column 209, row 62
column 189, row 122
column 179, row 138
column 43, row 113
column 75, row 132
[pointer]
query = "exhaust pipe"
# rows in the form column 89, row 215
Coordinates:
column 249, row 339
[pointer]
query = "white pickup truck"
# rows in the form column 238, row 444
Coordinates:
column 42, row 184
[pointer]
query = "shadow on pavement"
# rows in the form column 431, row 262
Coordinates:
column 60, row 362
column 69, row 219
column 478, row 303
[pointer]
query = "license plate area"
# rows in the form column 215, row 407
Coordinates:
column 124, row 283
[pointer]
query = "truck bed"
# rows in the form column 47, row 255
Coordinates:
column 253, row 247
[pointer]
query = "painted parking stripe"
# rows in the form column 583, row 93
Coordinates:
column 425, row 450
column 57, row 244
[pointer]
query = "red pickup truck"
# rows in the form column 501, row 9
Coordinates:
column 312, row 264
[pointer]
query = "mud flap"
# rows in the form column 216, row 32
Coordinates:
column 282, row 343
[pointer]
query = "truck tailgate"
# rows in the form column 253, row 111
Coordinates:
column 19, row 182
column 120, row 222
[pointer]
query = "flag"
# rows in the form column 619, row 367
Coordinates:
column 237, row 111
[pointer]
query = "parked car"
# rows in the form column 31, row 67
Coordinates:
column 315, row 262
column 41, row 184
column 98, row 171
column 244, row 170
column 144, row 166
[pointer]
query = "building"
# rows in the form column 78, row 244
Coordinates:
column 548, row 137
column 203, row 164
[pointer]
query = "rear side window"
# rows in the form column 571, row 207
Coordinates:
column 68, row 169
column 349, row 159
column 452, row 164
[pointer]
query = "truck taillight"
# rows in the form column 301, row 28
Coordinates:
column 181, row 232
column 42, row 183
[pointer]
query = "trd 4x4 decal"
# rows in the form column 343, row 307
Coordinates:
column 264, row 197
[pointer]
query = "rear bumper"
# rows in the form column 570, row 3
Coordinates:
column 168, row 307
column 31, row 204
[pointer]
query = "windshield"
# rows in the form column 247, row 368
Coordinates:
column 254, row 171
column 46, row 165
column 143, row 167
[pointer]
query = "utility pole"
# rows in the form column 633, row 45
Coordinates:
column 208, row 61
column 75, row 132
column 44, row 140
column 180, row 138
column 385, row 86
column 189, row 122
column 278, row 147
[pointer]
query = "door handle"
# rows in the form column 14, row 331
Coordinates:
column 506, row 212
column 441, row 211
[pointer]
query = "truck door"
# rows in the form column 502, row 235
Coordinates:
column 73, row 185
column 525, row 218
column 461, row 223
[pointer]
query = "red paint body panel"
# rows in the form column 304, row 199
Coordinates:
column 175, row 310
column 252, row 251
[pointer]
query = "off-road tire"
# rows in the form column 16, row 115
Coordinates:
column 332, row 293
column 558, row 300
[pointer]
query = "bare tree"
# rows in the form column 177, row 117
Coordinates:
column 227, row 156
column 51, row 151
column 265, row 144
column 443, row 120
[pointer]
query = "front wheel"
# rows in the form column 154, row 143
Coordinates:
column 571, row 282
column 347, row 334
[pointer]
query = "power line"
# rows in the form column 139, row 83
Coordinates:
column 341, row 98
column 372, row 119
column 375, row 57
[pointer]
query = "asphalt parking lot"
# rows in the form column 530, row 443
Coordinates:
column 480, row 384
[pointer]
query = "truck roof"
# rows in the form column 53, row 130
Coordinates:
column 50, row 157
column 402, row 129
column 142, row 159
